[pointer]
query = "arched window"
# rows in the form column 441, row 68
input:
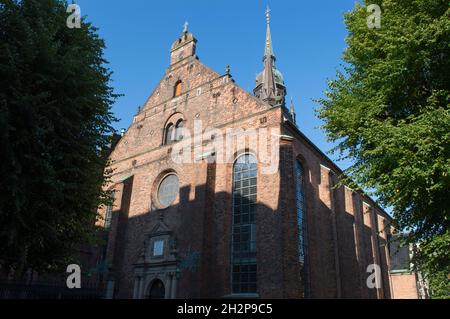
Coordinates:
column 179, row 130
column 300, row 204
column 301, row 222
column 178, row 88
column 157, row 290
column 169, row 134
column 243, row 257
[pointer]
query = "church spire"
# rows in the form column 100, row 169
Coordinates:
column 269, row 83
column 268, row 52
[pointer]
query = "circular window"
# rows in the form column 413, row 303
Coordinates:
column 168, row 190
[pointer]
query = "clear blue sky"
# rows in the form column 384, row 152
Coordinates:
column 308, row 39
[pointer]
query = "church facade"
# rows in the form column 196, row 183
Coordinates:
column 218, row 194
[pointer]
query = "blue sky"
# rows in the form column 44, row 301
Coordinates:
column 308, row 39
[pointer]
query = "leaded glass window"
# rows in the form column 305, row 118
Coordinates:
column 244, row 226
column 301, row 224
column 300, row 203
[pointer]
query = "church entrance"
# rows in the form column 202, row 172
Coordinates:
column 157, row 290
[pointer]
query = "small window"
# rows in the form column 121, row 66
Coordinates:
column 108, row 213
column 169, row 134
column 158, row 248
column 178, row 89
column 179, row 130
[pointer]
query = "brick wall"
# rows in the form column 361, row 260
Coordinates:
column 342, row 233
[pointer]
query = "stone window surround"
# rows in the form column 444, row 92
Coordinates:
column 155, row 189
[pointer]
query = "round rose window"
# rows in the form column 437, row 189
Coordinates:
column 168, row 190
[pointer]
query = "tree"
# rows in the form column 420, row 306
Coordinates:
column 55, row 120
column 388, row 111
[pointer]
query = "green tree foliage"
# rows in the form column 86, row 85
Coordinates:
column 388, row 111
column 55, row 117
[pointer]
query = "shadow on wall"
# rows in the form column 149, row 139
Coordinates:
column 198, row 255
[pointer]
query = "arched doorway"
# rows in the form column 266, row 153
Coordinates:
column 157, row 290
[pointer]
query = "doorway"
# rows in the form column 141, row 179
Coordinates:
column 157, row 290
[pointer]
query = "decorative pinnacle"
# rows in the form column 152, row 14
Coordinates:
column 292, row 111
column 227, row 69
column 185, row 29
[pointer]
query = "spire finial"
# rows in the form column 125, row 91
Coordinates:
column 268, row 50
column 185, row 29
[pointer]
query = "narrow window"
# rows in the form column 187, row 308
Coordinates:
column 108, row 212
column 178, row 88
column 300, row 204
column 301, row 222
column 179, row 130
column 169, row 134
column 244, row 279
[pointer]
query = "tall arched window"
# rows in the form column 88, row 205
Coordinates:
column 169, row 134
column 301, row 222
column 245, row 172
column 300, row 204
column 178, row 88
column 179, row 130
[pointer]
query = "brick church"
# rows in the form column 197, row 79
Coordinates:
column 232, row 227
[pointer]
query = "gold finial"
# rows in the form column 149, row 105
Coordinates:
column 268, row 14
column 186, row 24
